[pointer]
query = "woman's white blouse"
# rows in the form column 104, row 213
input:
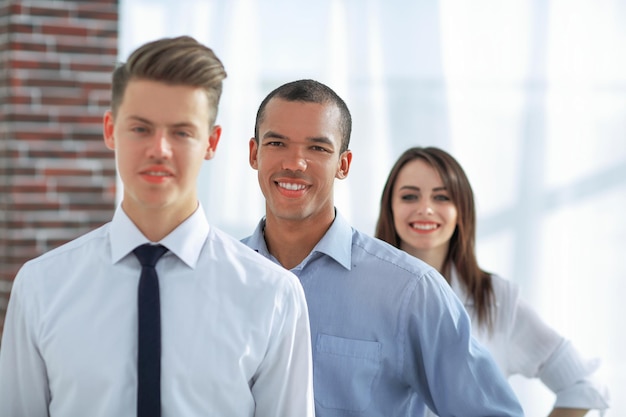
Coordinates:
column 521, row 343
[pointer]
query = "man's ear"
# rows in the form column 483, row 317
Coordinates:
column 252, row 157
column 216, row 134
column 108, row 126
column 345, row 159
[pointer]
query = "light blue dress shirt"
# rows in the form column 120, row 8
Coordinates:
column 389, row 336
column 235, row 331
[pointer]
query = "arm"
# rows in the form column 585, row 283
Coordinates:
column 283, row 386
column 453, row 372
column 23, row 382
column 537, row 351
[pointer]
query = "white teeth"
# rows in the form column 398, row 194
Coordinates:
column 291, row 187
column 429, row 226
column 157, row 173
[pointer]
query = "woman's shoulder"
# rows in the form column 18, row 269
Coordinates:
column 504, row 290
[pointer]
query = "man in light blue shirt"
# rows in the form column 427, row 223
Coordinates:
column 389, row 336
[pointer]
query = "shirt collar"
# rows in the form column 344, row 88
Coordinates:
column 336, row 243
column 185, row 241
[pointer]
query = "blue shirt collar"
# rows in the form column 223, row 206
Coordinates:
column 336, row 243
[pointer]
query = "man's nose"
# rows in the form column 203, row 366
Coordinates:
column 294, row 161
column 160, row 147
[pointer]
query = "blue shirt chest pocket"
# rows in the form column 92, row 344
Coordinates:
column 344, row 371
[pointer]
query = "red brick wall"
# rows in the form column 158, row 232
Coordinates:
column 57, row 179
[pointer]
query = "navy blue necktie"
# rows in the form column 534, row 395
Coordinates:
column 149, row 346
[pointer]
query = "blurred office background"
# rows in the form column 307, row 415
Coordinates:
column 530, row 96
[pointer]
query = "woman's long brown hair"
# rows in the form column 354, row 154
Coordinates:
column 461, row 252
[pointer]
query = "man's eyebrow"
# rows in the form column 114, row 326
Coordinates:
column 321, row 139
column 140, row 119
column 184, row 124
column 148, row 122
column 273, row 135
column 270, row 134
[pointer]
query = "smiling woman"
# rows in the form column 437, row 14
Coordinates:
column 427, row 210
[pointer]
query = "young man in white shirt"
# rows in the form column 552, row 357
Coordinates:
column 234, row 332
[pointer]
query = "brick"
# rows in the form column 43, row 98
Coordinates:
column 66, row 171
column 24, row 253
column 49, row 29
column 15, row 9
column 104, row 154
column 102, row 32
column 47, row 82
column 34, row 64
column 15, row 28
column 96, row 67
column 86, row 49
column 48, row 12
column 24, row 117
column 80, row 119
column 43, row 133
column 29, row 185
column 16, row 100
column 5, row 286
column 63, row 100
column 52, row 153
column 16, row 171
column 37, row 205
column 85, row 132
column 10, row 266
column 52, row 92
column 27, row 46
column 103, row 15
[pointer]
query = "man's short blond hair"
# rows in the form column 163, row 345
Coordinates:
column 176, row 61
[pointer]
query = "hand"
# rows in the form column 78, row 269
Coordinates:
column 568, row 412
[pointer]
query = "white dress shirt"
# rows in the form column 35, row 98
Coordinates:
column 235, row 329
column 522, row 343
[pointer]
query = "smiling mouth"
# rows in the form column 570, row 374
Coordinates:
column 291, row 186
column 424, row 226
column 157, row 173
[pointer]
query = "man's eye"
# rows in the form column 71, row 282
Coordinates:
column 320, row 149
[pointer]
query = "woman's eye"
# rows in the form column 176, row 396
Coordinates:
column 442, row 198
column 408, row 197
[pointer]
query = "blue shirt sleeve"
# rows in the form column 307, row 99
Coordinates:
column 444, row 363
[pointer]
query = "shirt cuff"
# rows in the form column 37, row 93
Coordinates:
column 571, row 378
